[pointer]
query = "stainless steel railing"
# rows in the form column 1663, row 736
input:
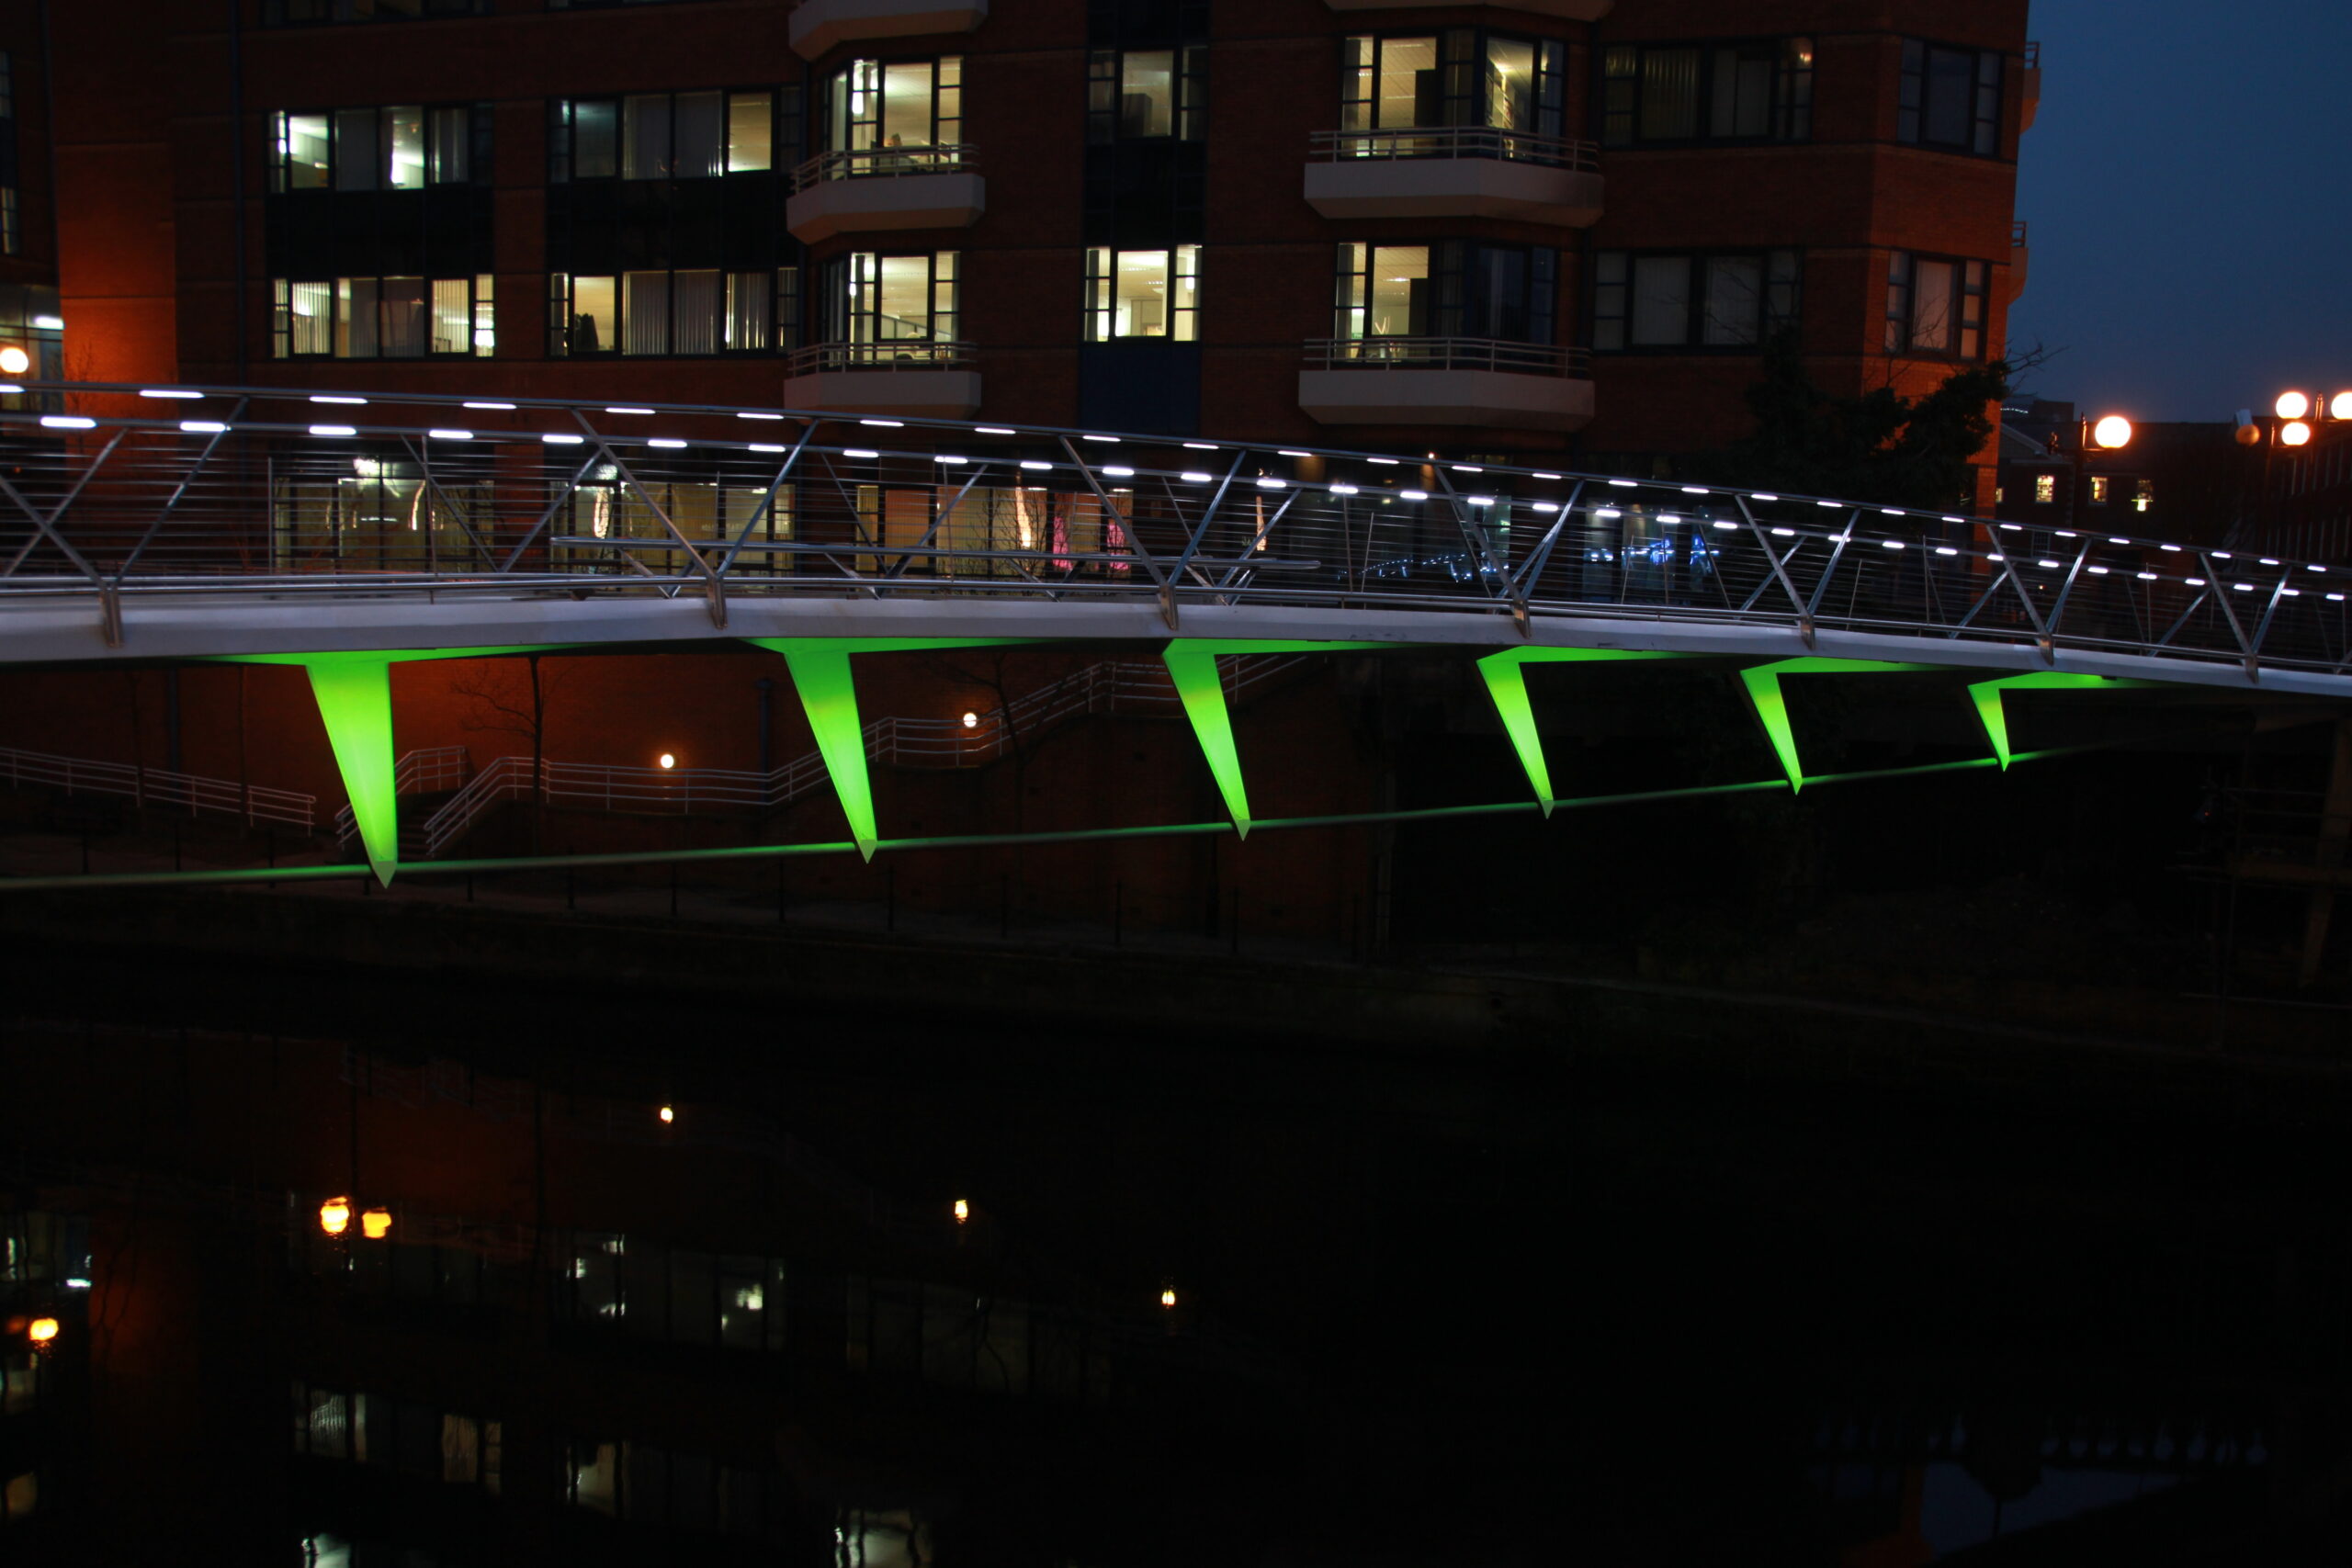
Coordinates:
column 1446, row 353
column 886, row 163
column 1454, row 142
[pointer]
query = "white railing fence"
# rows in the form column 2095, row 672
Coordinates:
column 158, row 787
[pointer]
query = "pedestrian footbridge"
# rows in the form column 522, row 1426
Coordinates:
column 346, row 532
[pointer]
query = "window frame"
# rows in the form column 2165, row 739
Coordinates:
column 843, row 285
column 1916, row 103
column 478, row 148
column 1453, row 291
column 1100, row 319
column 839, row 119
column 783, row 294
column 1779, row 302
column 1618, row 95
column 563, row 131
column 1188, row 71
column 1464, row 98
column 480, row 308
column 1971, row 292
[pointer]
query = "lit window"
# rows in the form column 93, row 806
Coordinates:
column 890, row 308
column 1461, row 78
column 2045, row 489
column 2099, row 489
column 1145, row 94
column 2145, row 496
column 896, row 116
column 402, row 147
column 659, row 311
column 1149, row 294
column 1456, row 289
column 381, row 317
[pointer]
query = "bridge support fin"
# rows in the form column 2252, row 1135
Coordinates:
column 355, row 698
column 1506, row 679
column 1986, row 695
column 1192, row 666
column 820, row 673
column 1763, row 684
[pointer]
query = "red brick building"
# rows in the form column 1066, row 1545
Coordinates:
column 1564, row 225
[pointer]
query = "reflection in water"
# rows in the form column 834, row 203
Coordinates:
column 1685, row 1315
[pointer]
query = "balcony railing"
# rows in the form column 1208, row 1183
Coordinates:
column 897, row 353
column 2017, row 233
column 886, row 163
column 1454, row 142
column 1446, row 353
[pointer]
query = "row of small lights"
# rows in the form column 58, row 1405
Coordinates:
column 2342, row 408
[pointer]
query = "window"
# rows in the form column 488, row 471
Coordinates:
column 658, row 1486
column 1460, row 78
column 401, row 147
column 1935, row 306
column 2045, row 489
column 278, row 13
column 429, row 1444
column 1950, row 98
column 373, row 511
column 383, row 317
column 1452, row 289
column 890, row 305
column 2143, row 495
column 1757, row 91
column 1139, row 294
column 2099, row 489
column 694, row 1298
column 674, row 313
column 1146, row 94
column 11, row 234
column 1714, row 299
column 664, row 136
column 908, row 113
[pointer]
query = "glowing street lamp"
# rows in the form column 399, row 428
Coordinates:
column 2111, row 434
column 2294, row 433
column 15, row 361
column 2340, row 406
column 42, row 1330
column 334, row 1215
column 376, row 1223
column 2291, row 405
column 963, row 1211
column 668, row 762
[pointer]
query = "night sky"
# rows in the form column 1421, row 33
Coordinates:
column 2187, row 182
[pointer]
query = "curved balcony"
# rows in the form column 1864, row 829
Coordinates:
column 1574, row 10
column 1454, row 172
column 922, row 377
column 1446, row 380
column 879, row 189
column 817, row 25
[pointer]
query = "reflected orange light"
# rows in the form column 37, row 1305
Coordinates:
column 376, row 1223
column 334, row 1215
column 2294, row 433
column 42, row 1330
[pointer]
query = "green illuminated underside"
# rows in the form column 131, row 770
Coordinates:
column 1507, row 683
column 1763, row 684
column 1987, row 697
column 820, row 673
column 1191, row 665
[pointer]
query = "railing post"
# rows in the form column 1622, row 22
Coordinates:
column 1118, row 914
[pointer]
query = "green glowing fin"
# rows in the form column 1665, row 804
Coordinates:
column 1191, row 664
column 821, row 674
column 356, row 700
column 1763, row 684
column 1507, row 683
column 1986, row 695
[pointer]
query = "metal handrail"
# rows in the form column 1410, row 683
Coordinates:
column 886, row 163
column 1455, row 141
column 2017, row 232
column 2033, row 54
column 895, row 354
column 1103, row 687
column 158, row 787
column 1446, row 353
column 427, row 771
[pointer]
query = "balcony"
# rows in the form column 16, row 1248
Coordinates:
column 1574, row 10
column 914, row 375
column 1454, row 172
column 883, row 188
column 817, row 25
column 1446, row 380
column 2020, row 254
column 2029, row 88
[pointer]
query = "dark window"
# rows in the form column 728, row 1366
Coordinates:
column 672, row 311
column 1935, row 306
column 281, row 13
column 1454, row 288
column 1727, row 300
column 1760, row 90
column 11, row 235
column 1951, row 97
column 1141, row 95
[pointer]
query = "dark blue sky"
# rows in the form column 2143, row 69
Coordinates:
column 2189, row 187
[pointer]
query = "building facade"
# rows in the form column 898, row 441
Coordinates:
column 1565, row 226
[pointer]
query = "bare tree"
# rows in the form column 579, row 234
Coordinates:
column 1021, row 737
column 506, row 704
